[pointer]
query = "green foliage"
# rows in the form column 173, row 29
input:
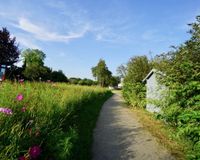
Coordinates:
column 83, row 82
column 50, row 120
column 9, row 52
column 137, row 69
column 34, row 65
column 134, row 94
column 102, row 73
column 58, row 76
column 182, row 75
column 134, row 90
column 114, row 81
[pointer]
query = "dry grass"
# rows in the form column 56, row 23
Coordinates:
column 162, row 133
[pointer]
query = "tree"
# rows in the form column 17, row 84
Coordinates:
column 101, row 73
column 58, row 76
column 47, row 74
column 133, row 89
column 137, row 68
column 74, row 80
column 9, row 52
column 34, row 61
column 122, row 71
column 114, row 81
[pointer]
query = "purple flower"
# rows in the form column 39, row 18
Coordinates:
column 35, row 151
column 20, row 97
column 22, row 158
column 6, row 111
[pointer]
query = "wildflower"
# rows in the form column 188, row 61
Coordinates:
column 35, row 151
column 23, row 109
column 6, row 111
column 21, row 81
column 22, row 158
column 20, row 97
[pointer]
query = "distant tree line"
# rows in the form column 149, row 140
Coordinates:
column 33, row 68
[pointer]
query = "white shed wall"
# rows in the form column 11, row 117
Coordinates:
column 153, row 92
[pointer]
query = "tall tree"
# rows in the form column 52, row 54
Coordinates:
column 133, row 88
column 34, row 61
column 9, row 52
column 101, row 73
column 137, row 69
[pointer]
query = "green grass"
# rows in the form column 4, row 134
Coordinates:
column 85, row 123
column 59, row 119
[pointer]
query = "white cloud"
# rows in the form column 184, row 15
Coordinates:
column 41, row 33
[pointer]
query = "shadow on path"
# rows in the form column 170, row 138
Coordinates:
column 119, row 136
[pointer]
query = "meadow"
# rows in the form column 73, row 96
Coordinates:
column 48, row 120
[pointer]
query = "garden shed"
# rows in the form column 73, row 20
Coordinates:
column 154, row 90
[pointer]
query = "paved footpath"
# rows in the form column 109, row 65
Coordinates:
column 119, row 136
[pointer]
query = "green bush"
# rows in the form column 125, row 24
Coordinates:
column 183, row 98
column 134, row 94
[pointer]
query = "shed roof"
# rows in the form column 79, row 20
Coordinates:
column 149, row 75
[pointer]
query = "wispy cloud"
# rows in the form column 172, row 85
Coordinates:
column 79, row 16
column 27, row 42
column 74, row 22
column 41, row 33
column 105, row 35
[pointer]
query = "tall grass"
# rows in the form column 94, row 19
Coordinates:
column 52, row 121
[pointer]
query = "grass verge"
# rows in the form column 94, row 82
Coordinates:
column 164, row 134
column 85, row 122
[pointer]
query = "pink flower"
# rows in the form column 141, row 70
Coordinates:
column 20, row 97
column 21, row 81
column 23, row 109
column 35, row 151
column 22, row 158
column 6, row 111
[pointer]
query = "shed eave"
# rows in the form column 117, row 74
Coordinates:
column 149, row 75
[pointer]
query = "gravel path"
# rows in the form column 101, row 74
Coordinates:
column 119, row 136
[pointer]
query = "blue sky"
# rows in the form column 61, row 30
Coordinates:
column 75, row 34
